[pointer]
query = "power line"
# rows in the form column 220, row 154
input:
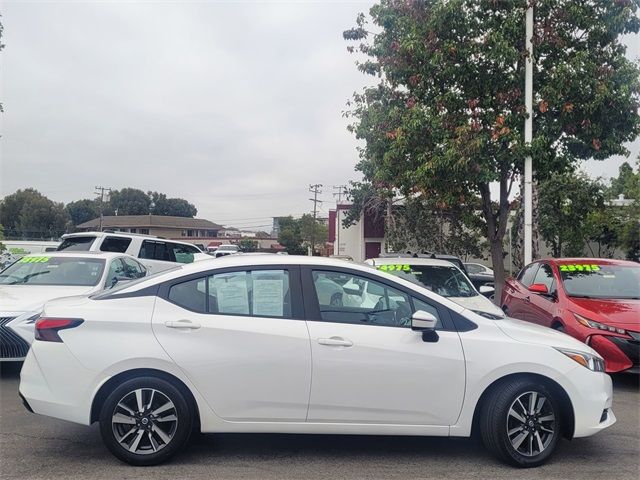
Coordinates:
column 100, row 191
column 315, row 189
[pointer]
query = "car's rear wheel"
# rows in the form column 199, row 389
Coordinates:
column 520, row 423
column 145, row 421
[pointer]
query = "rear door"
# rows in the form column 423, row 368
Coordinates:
column 368, row 365
column 240, row 336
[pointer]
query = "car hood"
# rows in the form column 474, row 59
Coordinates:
column 531, row 333
column 28, row 298
column 621, row 313
column 478, row 303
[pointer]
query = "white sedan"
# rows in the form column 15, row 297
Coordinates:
column 34, row 279
column 243, row 344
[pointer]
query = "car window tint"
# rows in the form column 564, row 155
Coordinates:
column 190, row 295
column 116, row 271
column 348, row 298
column 154, row 250
column 471, row 268
column 258, row 293
column 425, row 307
column 115, row 244
column 545, row 276
column 528, row 274
column 76, row 244
column 133, row 269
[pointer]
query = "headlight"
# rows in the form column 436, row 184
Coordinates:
column 593, row 363
column 600, row 326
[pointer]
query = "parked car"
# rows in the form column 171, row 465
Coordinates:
column 34, row 279
column 480, row 274
column 224, row 250
column 231, row 345
column 594, row 300
column 441, row 277
column 155, row 253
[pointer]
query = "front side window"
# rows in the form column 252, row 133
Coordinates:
column 545, row 276
column 115, row 244
column 257, row 293
column 527, row 274
column 133, row 269
column 62, row 271
column 348, row 298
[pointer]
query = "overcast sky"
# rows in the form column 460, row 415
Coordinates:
column 235, row 106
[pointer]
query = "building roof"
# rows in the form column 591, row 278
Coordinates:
column 142, row 221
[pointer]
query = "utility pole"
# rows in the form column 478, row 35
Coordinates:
column 528, row 137
column 341, row 190
column 100, row 191
column 315, row 189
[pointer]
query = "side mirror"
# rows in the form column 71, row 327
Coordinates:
column 486, row 290
column 540, row 288
column 425, row 322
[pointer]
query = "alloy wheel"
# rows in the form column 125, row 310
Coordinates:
column 531, row 423
column 144, row 421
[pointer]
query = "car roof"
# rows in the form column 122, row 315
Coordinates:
column 79, row 254
column 124, row 234
column 411, row 261
column 591, row 261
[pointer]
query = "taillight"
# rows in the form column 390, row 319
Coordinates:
column 47, row 328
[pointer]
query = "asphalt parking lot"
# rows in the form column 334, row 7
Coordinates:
column 36, row 447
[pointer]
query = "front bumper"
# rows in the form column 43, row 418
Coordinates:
column 619, row 353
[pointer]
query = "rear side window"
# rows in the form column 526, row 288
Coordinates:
column 190, row 295
column 154, row 250
column 115, row 244
column 528, row 274
column 76, row 244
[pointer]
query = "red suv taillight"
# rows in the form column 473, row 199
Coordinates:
column 47, row 328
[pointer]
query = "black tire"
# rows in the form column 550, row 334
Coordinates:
column 496, row 421
column 152, row 446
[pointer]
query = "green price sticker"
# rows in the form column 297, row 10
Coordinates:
column 34, row 259
column 394, row 268
column 579, row 268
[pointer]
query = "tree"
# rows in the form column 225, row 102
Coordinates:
column 178, row 207
column 29, row 214
column 248, row 245
column 312, row 231
column 289, row 236
column 572, row 212
column 82, row 211
column 2, row 245
column 130, row 201
column 628, row 184
column 446, row 117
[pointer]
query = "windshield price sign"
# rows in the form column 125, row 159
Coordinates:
column 579, row 268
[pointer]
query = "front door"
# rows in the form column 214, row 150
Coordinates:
column 368, row 365
column 241, row 339
column 541, row 308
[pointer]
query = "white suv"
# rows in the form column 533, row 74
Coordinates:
column 155, row 253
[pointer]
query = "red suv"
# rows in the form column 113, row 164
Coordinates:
column 594, row 300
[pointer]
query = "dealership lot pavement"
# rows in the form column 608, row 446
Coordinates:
column 35, row 447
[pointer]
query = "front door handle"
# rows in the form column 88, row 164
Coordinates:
column 182, row 324
column 527, row 299
column 335, row 342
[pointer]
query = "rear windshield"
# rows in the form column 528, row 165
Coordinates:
column 67, row 271
column 601, row 281
column 76, row 244
column 443, row 280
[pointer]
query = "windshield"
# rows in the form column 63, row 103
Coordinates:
column 67, row 271
column 601, row 281
column 76, row 244
column 443, row 280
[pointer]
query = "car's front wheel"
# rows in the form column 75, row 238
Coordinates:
column 520, row 423
column 145, row 421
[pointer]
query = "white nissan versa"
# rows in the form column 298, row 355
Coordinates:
column 244, row 345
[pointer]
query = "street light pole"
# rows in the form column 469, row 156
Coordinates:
column 528, row 136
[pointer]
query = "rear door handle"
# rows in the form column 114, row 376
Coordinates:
column 335, row 342
column 182, row 324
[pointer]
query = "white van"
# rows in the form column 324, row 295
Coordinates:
column 155, row 253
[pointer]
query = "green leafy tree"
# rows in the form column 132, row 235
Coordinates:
column 248, row 245
column 130, row 201
column 446, row 117
column 82, row 211
column 628, row 184
column 2, row 245
column 312, row 231
column 178, row 207
column 29, row 214
column 289, row 236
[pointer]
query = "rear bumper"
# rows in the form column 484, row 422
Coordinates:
column 60, row 387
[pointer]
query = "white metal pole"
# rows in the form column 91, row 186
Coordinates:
column 528, row 136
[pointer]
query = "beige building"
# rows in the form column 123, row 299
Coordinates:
column 177, row 228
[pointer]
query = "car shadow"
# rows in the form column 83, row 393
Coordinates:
column 627, row 382
column 10, row 370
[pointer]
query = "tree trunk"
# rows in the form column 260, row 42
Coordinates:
column 498, row 268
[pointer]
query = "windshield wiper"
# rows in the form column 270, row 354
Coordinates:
column 29, row 277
